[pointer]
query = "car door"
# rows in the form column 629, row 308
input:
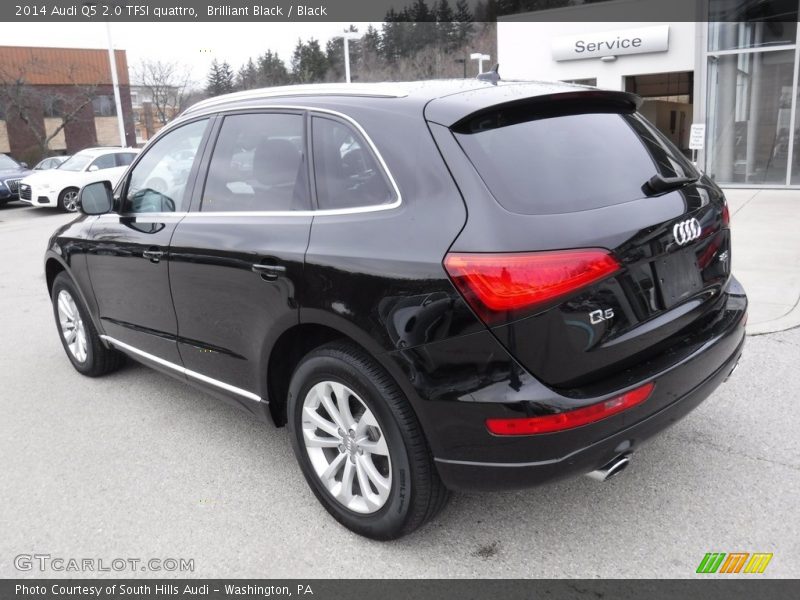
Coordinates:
column 237, row 257
column 128, row 250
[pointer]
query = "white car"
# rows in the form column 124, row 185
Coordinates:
column 59, row 187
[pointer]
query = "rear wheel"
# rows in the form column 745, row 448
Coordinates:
column 68, row 200
column 359, row 444
column 78, row 335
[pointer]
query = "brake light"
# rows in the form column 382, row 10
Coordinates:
column 498, row 284
column 726, row 215
column 572, row 418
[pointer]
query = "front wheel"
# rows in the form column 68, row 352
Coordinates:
column 359, row 444
column 79, row 337
column 68, row 200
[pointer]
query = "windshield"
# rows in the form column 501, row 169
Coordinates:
column 76, row 163
column 571, row 162
column 6, row 162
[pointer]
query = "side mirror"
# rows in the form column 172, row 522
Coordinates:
column 24, row 165
column 93, row 168
column 96, row 198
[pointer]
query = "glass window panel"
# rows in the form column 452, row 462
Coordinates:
column 749, row 104
column 736, row 24
column 796, row 143
column 158, row 182
column 346, row 171
column 258, row 164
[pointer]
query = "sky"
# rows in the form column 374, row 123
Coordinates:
column 192, row 44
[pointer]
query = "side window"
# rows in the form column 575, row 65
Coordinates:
column 124, row 158
column 106, row 161
column 347, row 172
column 158, row 181
column 258, row 164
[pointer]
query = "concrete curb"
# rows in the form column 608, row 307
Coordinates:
column 788, row 321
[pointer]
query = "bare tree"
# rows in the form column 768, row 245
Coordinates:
column 31, row 103
column 167, row 85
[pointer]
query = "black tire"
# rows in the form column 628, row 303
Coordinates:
column 416, row 494
column 62, row 200
column 99, row 359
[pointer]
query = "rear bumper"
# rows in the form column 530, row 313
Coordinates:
column 462, row 382
column 469, row 475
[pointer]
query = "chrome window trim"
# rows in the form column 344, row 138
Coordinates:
column 288, row 213
column 188, row 372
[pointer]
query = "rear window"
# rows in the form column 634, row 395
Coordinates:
column 568, row 163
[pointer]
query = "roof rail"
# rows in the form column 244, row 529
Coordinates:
column 379, row 90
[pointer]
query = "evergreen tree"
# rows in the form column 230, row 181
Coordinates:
column 420, row 13
column 247, row 77
column 309, row 63
column 371, row 41
column 463, row 23
column 369, row 56
column 392, row 36
column 227, row 78
column 422, row 30
column 220, row 78
column 486, row 11
column 445, row 26
column 334, row 52
column 272, row 70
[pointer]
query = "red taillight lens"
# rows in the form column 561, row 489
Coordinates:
column 572, row 418
column 500, row 283
column 726, row 215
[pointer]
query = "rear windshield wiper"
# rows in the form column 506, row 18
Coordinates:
column 658, row 184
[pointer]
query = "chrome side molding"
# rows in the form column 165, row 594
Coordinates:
column 179, row 369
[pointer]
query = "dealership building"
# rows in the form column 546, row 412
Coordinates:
column 737, row 82
column 64, row 96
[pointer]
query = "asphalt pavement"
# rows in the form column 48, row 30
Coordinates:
column 138, row 465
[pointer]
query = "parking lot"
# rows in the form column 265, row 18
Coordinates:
column 139, row 465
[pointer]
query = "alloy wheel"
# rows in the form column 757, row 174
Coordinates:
column 346, row 447
column 71, row 201
column 72, row 327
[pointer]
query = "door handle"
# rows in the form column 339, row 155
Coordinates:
column 269, row 272
column 153, row 254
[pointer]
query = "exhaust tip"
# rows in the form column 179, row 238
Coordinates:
column 615, row 467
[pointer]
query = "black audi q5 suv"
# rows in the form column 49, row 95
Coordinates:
column 450, row 285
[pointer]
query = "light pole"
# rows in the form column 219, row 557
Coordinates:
column 115, row 82
column 346, row 37
column 480, row 58
column 112, row 61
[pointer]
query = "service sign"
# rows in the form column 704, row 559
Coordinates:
column 611, row 43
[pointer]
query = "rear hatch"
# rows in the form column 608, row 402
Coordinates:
column 609, row 249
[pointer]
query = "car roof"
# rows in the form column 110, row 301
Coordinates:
column 97, row 151
column 444, row 101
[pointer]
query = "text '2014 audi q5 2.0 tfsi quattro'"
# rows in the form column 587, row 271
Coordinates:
column 435, row 286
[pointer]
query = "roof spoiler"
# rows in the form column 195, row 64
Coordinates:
column 553, row 105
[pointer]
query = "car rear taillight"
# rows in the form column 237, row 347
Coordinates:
column 726, row 215
column 499, row 286
column 572, row 418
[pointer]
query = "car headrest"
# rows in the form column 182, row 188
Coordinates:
column 275, row 162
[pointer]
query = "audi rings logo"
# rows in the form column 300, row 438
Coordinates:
column 686, row 231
